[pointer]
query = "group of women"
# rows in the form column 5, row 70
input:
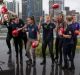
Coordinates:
column 66, row 30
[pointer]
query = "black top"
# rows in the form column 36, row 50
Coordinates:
column 8, row 25
column 16, row 26
column 69, row 31
column 48, row 31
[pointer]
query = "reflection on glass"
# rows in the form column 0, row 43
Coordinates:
column 56, row 70
column 44, row 70
column 52, row 70
column 28, row 69
column 34, row 70
column 17, row 66
column 60, row 70
column 21, row 68
column 10, row 63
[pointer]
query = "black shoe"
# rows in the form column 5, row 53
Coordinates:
column 27, row 55
column 29, row 62
column 72, row 68
column 33, row 64
column 9, row 52
column 56, row 58
column 43, row 63
column 65, row 67
column 60, row 63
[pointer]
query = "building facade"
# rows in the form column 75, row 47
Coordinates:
column 11, row 6
column 54, row 12
column 25, row 8
column 38, row 9
column 31, row 8
column 72, row 12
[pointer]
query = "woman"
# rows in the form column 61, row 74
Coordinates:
column 17, row 39
column 59, row 40
column 8, row 22
column 75, row 26
column 33, row 35
column 68, row 44
column 48, row 39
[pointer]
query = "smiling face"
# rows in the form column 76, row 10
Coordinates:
column 29, row 21
column 60, row 18
column 16, row 20
column 6, row 17
column 48, row 19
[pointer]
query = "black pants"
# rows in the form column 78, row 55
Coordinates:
column 24, row 38
column 18, row 45
column 67, row 48
column 8, row 39
column 44, row 46
column 58, row 48
column 74, row 47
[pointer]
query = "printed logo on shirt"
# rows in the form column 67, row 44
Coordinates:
column 51, row 27
column 45, row 26
column 32, row 29
column 69, row 32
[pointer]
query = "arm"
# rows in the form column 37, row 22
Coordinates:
column 40, row 23
column 38, row 33
column 69, row 32
column 23, row 28
column 66, row 36
column 38, row 36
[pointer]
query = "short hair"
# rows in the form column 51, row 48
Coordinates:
column 69, row 18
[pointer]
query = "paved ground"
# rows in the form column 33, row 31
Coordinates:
column 9, row 65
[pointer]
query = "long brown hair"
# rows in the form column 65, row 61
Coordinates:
column 62, row 15
column 32, row 18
